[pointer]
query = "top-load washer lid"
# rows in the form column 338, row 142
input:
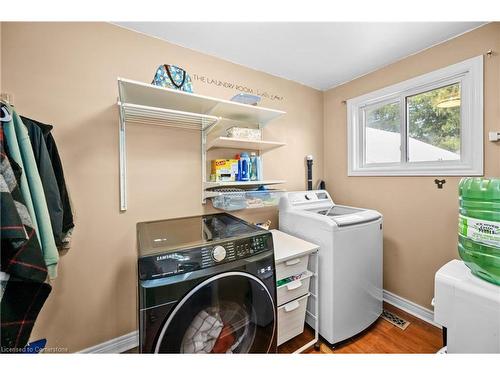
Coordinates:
column 344, row 216
column 162, row 236
column 320, row 202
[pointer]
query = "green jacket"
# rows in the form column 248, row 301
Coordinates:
column 15, row 153
column 41, row 212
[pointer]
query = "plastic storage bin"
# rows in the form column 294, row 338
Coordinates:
column 244, row 133
column 294, row 289
column 294, row 266
column 479, row 227
column 232, row 201
column 291, row 318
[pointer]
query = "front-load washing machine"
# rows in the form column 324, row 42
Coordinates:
column 206, row 285
column 350, row 260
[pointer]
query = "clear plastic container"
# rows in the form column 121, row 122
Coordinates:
column 232, row 201
column 479, row 227
column 244, row 133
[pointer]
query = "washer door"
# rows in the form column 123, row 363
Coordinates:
column 232, row 312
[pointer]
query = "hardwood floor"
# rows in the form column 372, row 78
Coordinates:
column 381, row 337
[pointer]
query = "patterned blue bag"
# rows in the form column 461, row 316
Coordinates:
column 172, row 77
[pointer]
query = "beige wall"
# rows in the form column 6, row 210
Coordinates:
column 65, row 74
column 420, row 232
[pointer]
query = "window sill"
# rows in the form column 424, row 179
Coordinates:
column 415, row 171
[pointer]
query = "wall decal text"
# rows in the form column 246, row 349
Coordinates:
column 235, row 86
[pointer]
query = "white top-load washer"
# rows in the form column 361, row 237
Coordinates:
column 350, row 259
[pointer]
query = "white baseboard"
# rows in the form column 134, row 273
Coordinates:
column 115, row 346
column 410, row 307
column 131, row 340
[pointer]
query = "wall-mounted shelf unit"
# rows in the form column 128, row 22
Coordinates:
column 243, row 144
column 142, row 103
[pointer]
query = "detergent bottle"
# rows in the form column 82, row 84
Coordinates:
column 253, row 166
column 245, row 167
column 238, row 173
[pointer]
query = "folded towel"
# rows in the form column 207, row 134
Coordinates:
column 202, row 333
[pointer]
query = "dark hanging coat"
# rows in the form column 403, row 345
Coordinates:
column 52, row 174
column 21, row 257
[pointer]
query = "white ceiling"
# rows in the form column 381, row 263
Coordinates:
column 319, row 55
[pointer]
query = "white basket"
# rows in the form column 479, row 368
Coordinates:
column 232, row 201
column 294, row 266
column 291, row 318
column 294, row 289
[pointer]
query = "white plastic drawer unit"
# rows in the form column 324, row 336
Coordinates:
column 293, row 262
column 291, row 318
column 290, row 267
column 294, row 289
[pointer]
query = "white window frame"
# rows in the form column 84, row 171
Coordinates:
column 469, row 74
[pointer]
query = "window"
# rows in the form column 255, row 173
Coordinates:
column 428, row 125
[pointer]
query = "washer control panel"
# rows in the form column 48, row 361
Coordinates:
column 233, row 250
column 188, row 260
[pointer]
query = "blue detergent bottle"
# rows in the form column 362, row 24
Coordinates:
column 245, row 167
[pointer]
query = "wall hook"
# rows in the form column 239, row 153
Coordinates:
column 7, row 98
column 489, row 53
column 439, row 183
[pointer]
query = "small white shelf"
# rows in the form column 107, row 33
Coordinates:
column 159, row 98
column 211, row 184
column 243, row 144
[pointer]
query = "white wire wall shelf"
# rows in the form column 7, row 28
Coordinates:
column 232, row 189
column 167, row 117
column 246, row 199
column 243, row 144
column 216, row 184
column 145, row 104
column 143, row 94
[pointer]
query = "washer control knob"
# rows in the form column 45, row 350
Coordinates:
column 218, row 253
column 310, row 196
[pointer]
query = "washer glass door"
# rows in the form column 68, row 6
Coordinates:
column 232, row 312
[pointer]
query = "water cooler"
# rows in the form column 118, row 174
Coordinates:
column 469, row 308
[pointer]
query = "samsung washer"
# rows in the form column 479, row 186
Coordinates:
column 206, row 284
